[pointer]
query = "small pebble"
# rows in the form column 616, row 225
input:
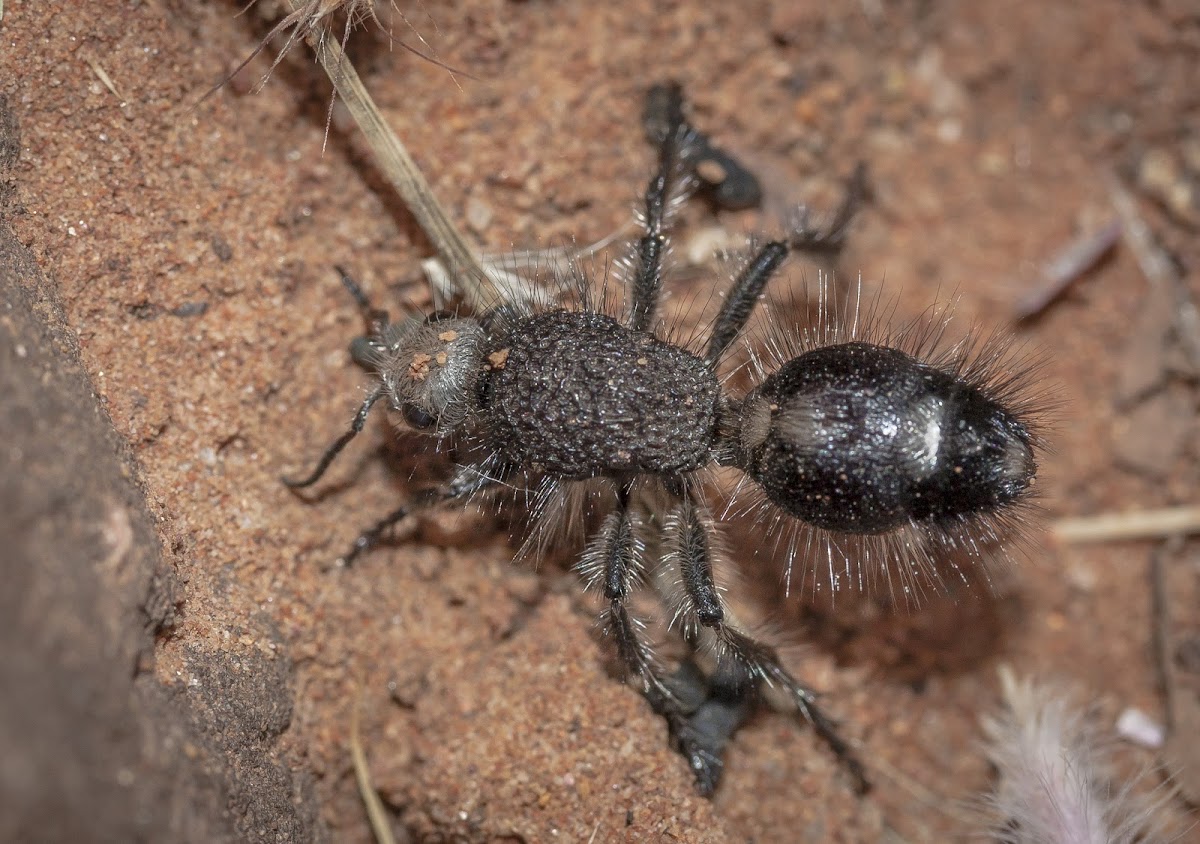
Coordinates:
column 479, row 214
column 1161, row 177
column 1137, row 727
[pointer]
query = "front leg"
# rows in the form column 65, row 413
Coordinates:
column 466, row 482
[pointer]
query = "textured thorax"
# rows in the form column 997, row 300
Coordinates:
column 577, row 394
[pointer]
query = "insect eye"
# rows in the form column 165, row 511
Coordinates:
column 416, row 417
column 438, row 316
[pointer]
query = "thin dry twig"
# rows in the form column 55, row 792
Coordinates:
column 376, row 813
column 400, row 169
column 313, row 17
column 103, row 77
column 1182, row 751
column 1158, row 269
column 1155, row 265
column 458, row 270
column 1141, row 524
column 1069, row 264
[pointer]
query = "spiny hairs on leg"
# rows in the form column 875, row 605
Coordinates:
column 740, row 667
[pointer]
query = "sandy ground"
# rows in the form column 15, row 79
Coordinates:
column 192, row 244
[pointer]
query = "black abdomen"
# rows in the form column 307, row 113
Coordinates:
column 577, row 394
column 863, row 438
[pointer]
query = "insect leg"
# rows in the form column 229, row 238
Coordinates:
column 647, row 278
column 744, row 664
column 465, row 483
column 616, row 548
column 360, row 420
column 827, row 240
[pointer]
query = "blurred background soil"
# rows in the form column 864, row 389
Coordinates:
column 191, row 243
